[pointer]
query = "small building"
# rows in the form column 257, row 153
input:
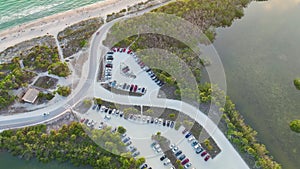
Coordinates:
column 31, row 95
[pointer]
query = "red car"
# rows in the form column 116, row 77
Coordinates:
column 114, row 49
column 82, row 120
column 109, row 65
column 203, row 154
column 124, row 50
column 135, row 88
column 185, row 161
column 207, row 158
column 129, row 51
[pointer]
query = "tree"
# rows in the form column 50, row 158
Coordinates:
column 98, row 101
column 64, row 90
column 297, row 83
column 295, row 126
column 60, row 69
column 121, row 130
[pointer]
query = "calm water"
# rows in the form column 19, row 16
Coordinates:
column 261, row 57
column 15, row 12
column 8, row 161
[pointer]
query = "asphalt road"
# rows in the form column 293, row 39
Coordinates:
column 96, row 51
column 228, row 155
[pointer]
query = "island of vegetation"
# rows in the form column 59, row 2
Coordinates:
column 295, row 126
column 70, row 143
column 297, row 83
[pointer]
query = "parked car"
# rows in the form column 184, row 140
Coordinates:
column 207, row 158
column 172, row 124
column 196, row 146
column 188, row 135
column 167, row 162
column 175, row 149
column 181, row 157
column 178, row 153
column 203, row 154
column 199, row 150
column 144, row 166
column 168, row 123
column 107, row 117
column 136, row 154
column 94, row 107
column 187, row 165
column 126, row 139
column 135, row 88
column 128, row 143
column 163, row 157
column 194, row 142
column 172, row 146
column 82, row 120
column 191, row 138
column 185, row 161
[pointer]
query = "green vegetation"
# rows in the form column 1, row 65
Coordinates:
column 75, row 37
column 295, row 126
column 60, row 69
column 12, row 77
column 206, row 13
column 121, row 130
column 98, row 101
column 87, row 103
column 45, row 96
column 40, row 58
column 297, row 83
column 5, row 99
column 64, row 90
column 70, row 143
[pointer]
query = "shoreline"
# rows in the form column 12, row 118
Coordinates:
column 53, row 24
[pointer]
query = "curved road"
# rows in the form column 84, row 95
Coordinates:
column 228, row 155
column 35, row 117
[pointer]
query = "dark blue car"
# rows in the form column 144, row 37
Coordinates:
column 188, row 135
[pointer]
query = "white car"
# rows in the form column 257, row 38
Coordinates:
column 167, row 162
column 46, row 114
column 191, row 138
column 172, row 146
column 196, row 146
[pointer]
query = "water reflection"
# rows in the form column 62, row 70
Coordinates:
column 281, row 5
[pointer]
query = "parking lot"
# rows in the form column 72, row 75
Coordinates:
column 141, row 138
column 123, row 67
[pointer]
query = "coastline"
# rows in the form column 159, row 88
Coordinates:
column 53, row 24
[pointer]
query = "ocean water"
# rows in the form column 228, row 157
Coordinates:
column 15, row 12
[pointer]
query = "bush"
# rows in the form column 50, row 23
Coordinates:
column 295, row 126
column 172, row 115
column 64, row 90
column 98, row 101
column 60, row 69
column 121, row 130
column 297, row 83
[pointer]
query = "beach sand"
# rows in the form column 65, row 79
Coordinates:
column 55, row 23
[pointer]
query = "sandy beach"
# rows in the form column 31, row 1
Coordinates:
column 53, row 24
